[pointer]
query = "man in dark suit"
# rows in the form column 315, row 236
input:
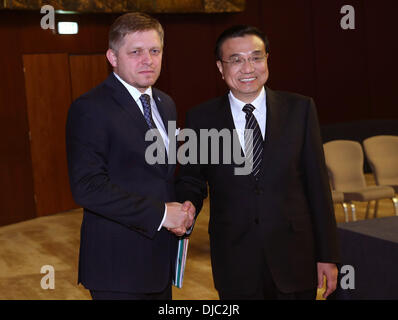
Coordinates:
column 126, row 251
column 273, row 231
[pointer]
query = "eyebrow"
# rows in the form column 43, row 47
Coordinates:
column 255, row 52
column 143, row 48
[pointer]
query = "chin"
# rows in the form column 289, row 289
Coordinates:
column 146, row 84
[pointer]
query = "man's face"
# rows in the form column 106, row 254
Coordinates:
column 139, row 59
column 245, row 78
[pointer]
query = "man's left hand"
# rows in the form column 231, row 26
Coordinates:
column 329, row 270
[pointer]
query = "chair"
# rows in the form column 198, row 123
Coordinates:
column 338, row 197
column 382, row 154
column 344, row 161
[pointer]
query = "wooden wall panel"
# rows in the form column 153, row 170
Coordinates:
column 48, row 98
column 351, row 74
column 16, row 180
column 86, row 72
column 382, row 57
column 342, row 87
column 288, row 25
column 22, row 34
column 189, row 71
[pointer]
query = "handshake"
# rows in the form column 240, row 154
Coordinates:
column 179, row 217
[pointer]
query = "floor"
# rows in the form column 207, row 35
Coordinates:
column 54, row 240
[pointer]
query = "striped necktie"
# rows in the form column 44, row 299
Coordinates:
column 254, row 142
column 146, row 104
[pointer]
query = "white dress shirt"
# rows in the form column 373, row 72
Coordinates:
column 136, row 94
column 239, row 116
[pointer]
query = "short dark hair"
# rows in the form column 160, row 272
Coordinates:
column 239, row 31
column 129, row 23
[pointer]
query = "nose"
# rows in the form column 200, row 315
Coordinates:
column 247, row 66
column 147, row 58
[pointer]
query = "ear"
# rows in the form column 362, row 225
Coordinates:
column 112, row 57
column 220, row 68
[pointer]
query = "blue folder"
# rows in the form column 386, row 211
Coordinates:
column 181, row 261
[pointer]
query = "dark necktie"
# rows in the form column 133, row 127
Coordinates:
column 146, row 104
column 253, row 143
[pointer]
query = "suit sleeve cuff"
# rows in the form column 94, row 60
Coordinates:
column 164, row 217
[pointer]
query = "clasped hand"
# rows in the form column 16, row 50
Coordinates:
column 179, row 217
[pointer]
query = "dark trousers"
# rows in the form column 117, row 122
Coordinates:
column 267, row 290
column 111, row 295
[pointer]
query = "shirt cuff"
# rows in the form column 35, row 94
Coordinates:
column 164, row 217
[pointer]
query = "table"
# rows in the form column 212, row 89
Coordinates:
column 371, row 247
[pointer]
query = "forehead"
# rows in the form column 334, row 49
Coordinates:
column 245, row 44
column 142, row 39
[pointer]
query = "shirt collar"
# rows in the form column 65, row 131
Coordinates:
column 135, row 93
column 259, row 103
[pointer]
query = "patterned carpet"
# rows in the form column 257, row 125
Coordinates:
column 54, row 240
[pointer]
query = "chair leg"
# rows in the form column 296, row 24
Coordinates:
column 376, row 209
column 353, row 210
column 395, row 202
column 367, row 210
column 345, row 208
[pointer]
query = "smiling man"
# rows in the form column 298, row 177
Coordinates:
column 126, row 248
column 272, row 232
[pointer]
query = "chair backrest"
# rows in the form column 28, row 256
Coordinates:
column 344, row 161
column 382, row 154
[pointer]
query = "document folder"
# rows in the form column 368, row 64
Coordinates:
column 180, row 263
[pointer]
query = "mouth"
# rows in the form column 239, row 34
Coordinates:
column 146, row 72
column 247, row 80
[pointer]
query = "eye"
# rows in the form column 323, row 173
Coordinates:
column 236, row 60
column 258, row 59
column 155, row 52
column 135, row 52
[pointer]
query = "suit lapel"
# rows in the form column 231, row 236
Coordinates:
column 166, row 117
column 275, row 124
column 163, row 110
column 275, row 119
column 127, row 103
column 225, row 121
column 224, row 115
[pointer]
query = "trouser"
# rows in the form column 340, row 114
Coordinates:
column 267, row 290
column 111, row 295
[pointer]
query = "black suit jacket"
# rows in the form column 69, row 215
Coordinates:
column 284, row 218
column 123, row 197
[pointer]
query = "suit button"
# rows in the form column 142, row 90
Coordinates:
column 259, row 191
column 256, row 221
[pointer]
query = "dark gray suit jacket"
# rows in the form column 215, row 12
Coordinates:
column 284, row 218
column 122, row 195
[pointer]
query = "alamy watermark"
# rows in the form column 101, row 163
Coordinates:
column 48, row 20
column 348, row 280
column 48, row 281
column 193, row 152
column 348, row 20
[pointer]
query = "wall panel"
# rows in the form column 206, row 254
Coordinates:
column 16, row 179
column 382, row 57
column 48, row 95
column 342, row 87
column 86, row 72
column 350, row 73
